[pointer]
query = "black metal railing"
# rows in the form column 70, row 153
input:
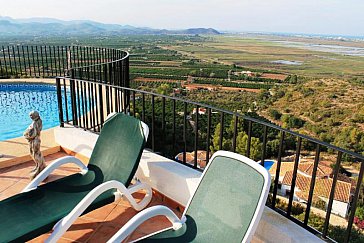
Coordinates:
column 82, row 62
column 180, row 126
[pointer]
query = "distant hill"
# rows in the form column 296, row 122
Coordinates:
column 203, row 31
column 50, row 27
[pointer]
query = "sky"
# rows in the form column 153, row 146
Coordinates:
column 339, row 17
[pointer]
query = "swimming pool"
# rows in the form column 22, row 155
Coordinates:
column 268, row 164
column 17, row 100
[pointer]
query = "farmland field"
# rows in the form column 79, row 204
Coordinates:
column 302, row 56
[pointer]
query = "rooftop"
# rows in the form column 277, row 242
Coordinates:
column 322, row 187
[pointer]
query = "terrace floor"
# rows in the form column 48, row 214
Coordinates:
column 96, row 226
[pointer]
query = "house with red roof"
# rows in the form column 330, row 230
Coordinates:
column 323, row 185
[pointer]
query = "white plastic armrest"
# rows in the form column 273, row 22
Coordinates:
column 51, row 167
column 139, row 186
column 144, row 215
column 62, row 226
column 134, row 188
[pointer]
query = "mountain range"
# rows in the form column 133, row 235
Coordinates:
column 54, row 27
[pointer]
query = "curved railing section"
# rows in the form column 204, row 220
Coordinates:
column 81, row 62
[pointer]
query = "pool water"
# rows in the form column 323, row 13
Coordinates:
column 18, row 100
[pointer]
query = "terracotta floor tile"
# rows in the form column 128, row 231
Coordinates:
column 3, row 196
column 63, row 240
column 14, row 189
column 152, row 225
column 53, row 177
column 138, row 196
column 156, row 201
column 81, row 230
column 40, row 238
column 120, row 215
column 135, row 235
column 100, row 214
column 5, row 184
column 54, row 156
column 104, row 233
column 17, row 172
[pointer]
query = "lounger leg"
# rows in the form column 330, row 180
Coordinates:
column 63, row 225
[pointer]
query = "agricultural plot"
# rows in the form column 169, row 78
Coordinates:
column 279, row 55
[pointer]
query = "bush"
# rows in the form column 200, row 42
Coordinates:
column 307, row 91
column 280, row 94
column 319, row 204
column 297, row 208
column 359, row 213
column 275, row 114
column 294, row 122
column 315, row 221
column 335, row 232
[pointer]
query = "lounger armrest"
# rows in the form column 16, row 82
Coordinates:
column 144, row 215
column 134, row 188
column 51, row 167
column 62, row 226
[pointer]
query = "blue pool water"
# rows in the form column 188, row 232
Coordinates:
column 17, row 100
column 268, row 164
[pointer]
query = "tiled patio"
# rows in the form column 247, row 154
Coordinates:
column 96, row 226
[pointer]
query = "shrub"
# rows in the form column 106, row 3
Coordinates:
column 275, row 114
column 319, row 204
column 359, row 213
column 337, row 233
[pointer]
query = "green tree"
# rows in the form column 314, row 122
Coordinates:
column 226, row 145
column 242, row 144
column 164, row 89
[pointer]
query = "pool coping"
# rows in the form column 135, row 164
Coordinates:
column 30, row 80
column 16, row 151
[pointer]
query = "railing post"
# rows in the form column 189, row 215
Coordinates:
column 354, row 202
column 73, row 99
column 264, row 146
column 294, row 176
column 5, row 65
column 332, row 194
column 107, row 89
column 59, row 99
column 101, row 104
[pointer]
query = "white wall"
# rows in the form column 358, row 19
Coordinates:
column 172, row 179
column 340, row 208
column 284, row 188
column 76, row 140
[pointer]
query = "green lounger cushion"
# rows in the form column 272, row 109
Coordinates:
column 227, row 218
column 116, row 156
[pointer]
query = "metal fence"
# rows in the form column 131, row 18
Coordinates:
column 179, row 126
column 51, row 61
